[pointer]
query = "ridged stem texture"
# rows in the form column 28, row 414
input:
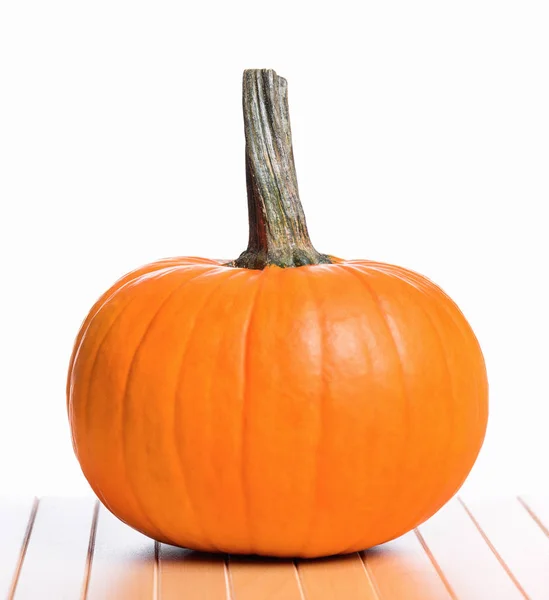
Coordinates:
column 278, row 230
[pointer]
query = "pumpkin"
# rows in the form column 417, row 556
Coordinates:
column 286, row 403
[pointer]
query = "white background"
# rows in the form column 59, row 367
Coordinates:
column 421, row 136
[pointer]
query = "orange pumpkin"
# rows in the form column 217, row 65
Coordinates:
column 287, row 403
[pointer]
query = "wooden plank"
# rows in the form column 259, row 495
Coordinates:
column 402, row 570
column 123, row 565
column 188, row 575
column 517, row 539
column 467, row 562
column 342, row 578
column 480, row 548
column 16, row 520
column 538, row 508
column 56, row 557
column 252, row 578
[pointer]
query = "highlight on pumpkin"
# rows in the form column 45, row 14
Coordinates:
column 286, row 403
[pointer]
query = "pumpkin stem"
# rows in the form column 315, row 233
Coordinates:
column 278, row 231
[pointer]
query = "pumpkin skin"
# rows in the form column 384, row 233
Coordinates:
column 286, row 411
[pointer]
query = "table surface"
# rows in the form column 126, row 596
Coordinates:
column 72, row 548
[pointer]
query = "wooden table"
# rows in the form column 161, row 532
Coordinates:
column 72, row 548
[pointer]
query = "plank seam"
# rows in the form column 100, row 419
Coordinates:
column 534, row 516
column 91, row 549
column 24, row 547
column 493, row 549
column 156, row 571
column 369, row 576
column 299, row 582
column 229, row 592
column 435, row 564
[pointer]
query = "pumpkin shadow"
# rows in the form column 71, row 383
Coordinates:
column 213, row 575
column 174, row 555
